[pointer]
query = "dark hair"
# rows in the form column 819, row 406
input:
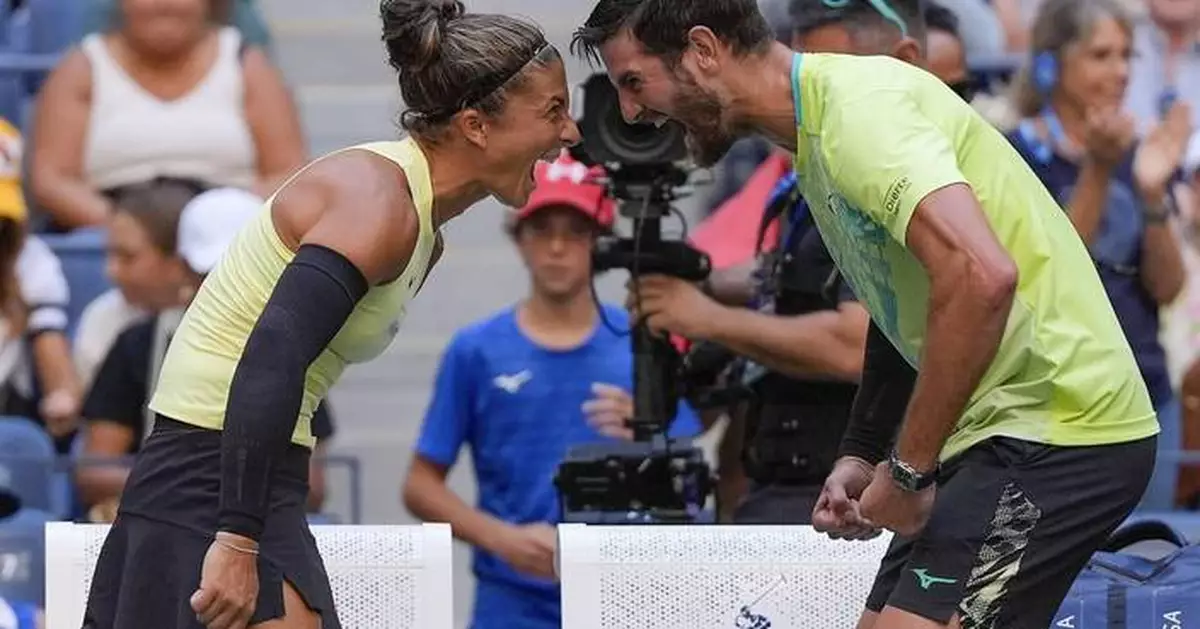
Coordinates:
column 858, row 16
column 449, row 60
column 156, row 206
column 662, row 26
column 939, row 18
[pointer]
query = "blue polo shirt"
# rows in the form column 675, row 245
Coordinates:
column 518, row 407
column 1117, row 250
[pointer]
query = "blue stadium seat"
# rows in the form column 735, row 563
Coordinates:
column 322, row 519
column 55, row 26
column 5, row 19
column 27, row 461
column 12, row 98
column 14, row 41
column 23, row 557
column 18, row 37
column 81, row 253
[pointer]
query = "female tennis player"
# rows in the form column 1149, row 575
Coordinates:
column 211, row 530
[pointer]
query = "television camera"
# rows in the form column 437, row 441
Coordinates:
column 654, row 478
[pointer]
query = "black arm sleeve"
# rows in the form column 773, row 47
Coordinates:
column 878, row 409
column 311, row 301
column 322, row 422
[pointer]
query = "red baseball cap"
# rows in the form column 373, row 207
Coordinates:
column 572, row 184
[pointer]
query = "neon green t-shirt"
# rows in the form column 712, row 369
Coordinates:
column 875, row 136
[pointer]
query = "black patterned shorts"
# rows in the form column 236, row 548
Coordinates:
column 1013, row 525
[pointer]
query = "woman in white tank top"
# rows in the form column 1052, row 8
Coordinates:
column 169, row 95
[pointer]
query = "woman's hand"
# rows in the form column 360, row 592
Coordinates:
column 1161, row 153
column 1108, row 136
column 228, row 590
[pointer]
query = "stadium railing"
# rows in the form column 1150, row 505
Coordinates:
column 383, row 577
column 632, row 577
column 68, row 465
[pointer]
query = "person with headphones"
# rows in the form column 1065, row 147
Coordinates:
column 1081, row 142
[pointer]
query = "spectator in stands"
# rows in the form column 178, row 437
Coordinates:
column 515, row 389
column 1081, row 143
column 169, row 95
column 142, row 263
column 37, row 379
column 116, row 415
column 1166, row 62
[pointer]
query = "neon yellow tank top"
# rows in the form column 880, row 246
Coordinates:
column 193, row 386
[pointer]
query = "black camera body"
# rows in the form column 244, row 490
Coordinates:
column 633, row 151
column 653, row 479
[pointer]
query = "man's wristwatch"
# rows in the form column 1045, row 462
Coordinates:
column 907, row 477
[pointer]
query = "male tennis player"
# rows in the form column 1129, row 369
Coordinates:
column 1028, row 436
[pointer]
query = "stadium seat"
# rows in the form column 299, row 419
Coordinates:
column 383, row 577
column 633, row 577
column 22, row 557
column 27, row 461
column 14, row 32
column 81, row 253
column 55, row 25
column 17, row 29
column 322, row 519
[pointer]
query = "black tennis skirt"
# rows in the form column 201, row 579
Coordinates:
column 149, row 566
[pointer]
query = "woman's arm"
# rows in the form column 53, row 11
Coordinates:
column 59, row 138
column 1162, row 270
column 59, row 382
column 354, row 226
column 46, row 294
column 274, row 122
column 1089, row 198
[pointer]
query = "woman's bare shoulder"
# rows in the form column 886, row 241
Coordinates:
column 361, row 195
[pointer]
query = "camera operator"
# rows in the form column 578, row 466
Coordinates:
column 807, row 330
column 519, row 390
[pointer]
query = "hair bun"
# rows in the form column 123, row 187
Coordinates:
column 412, row 30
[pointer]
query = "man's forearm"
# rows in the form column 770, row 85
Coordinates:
column 820, row 345
column 965, row 325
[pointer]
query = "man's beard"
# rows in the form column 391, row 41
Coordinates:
column 700, row 114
